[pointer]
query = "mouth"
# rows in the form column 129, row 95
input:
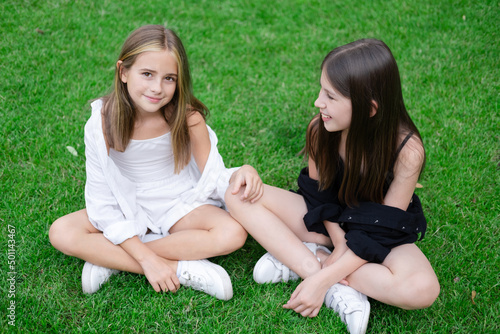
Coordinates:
column 153, row 99
column 325, row 117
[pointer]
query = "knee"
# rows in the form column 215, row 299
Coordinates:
column 238, row 236
column 422, row 291
column 60, row 236
column 232, row 200
column 233, row 238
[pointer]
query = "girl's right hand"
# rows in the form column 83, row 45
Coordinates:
column 308, row 297
column 247, row 177
column 160, row 275
column 158, row 271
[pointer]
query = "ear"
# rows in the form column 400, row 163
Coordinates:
column 122, row 72
column 373, row 111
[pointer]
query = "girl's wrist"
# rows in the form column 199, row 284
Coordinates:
column 138, row 250
column 324, row 280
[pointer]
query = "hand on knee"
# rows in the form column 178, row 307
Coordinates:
column 233, row 200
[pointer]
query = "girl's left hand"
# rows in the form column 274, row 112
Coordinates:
column 307, row 298
column 247, row 177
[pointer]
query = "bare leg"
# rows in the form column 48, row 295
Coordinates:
column 405, row 279
column 275, row 221
column 74, row 235
column 205, row 232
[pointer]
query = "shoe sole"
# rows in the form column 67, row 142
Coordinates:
column 228, row 289
column 366, row 317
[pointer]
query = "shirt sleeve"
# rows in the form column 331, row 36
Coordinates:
column 321, row 205
column 373, row 229
column 213, row 182
column 107, row 209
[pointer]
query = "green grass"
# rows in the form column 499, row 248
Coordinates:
column 256, row 66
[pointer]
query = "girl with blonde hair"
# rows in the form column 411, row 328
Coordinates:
column 155, row 180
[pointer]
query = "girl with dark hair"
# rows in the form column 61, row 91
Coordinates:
column 356, row 196
column 155, row 179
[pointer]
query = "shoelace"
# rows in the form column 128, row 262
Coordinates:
column 284, row 270
column 196, row 282
column 104, row 273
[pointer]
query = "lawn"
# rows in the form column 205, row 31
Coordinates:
column 255, row 64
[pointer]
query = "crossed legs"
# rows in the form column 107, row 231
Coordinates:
column 205, row 232
column 405, row 279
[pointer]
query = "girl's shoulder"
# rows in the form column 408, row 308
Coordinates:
column 195, row 118
column 411, row 156
column 96, row 118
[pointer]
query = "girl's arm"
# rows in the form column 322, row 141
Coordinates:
column 115, row 217
column 406, row 172
column 337, row 234
column 200, row 148
column 309, row 295
column 200, row 139
column 313, row 171
column 109, row 207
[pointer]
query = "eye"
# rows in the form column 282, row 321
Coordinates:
column 328, row 95
column 172, row 79
column 147, row 74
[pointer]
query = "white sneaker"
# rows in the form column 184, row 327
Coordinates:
column 270, row 270
column 352, row 306
column 203, row 275
column 94, row 276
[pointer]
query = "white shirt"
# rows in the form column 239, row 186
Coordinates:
column 111, row 198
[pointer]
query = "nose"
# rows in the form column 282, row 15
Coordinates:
column 156, row 86
column 319, row 104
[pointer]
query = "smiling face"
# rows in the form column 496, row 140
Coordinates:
column 335, row 109
column 151, row 80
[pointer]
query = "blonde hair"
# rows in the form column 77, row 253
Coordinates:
column 119, row 112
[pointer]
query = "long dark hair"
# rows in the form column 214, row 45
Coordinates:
column 363, row 71
column 119, row 111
